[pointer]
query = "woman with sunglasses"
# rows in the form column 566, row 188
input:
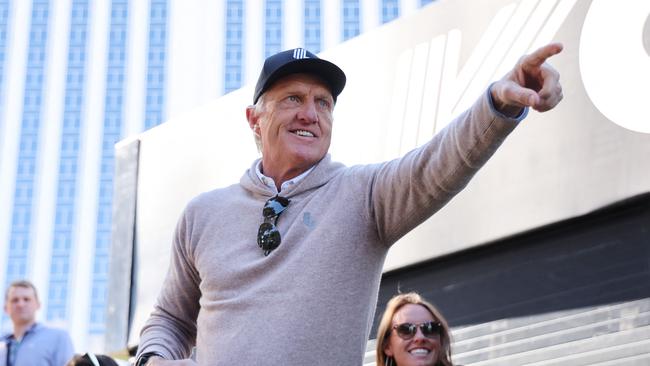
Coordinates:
column 412, row 332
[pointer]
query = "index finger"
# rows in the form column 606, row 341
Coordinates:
column 540, row 55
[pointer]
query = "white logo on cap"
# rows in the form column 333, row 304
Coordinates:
column 299, row 53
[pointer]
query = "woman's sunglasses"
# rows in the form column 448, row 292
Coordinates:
column 407, row 331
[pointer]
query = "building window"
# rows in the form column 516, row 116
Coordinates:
column 68, row 157
column 234, row 45
column 19, row 242
column 156, row 64
column 389, row 10
column 351, row 26
column 4, row 16
column 312, row 33
column 272, row 27
column 111, row 134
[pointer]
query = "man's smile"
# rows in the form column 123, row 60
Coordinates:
column 303, row 133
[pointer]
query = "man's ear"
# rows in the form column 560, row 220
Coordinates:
column 251, row 117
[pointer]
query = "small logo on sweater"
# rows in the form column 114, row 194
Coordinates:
column 308, row 221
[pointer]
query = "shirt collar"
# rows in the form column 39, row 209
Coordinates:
column 269, row 182
column 9, row 336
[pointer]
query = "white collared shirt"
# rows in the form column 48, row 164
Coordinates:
column 269, row 182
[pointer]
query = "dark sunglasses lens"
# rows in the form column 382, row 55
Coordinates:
column 431, row 329
column 406, row 330
column 268, row 237
column 275, row 206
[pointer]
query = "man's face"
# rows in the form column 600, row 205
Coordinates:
column 21, row 305
column 294, row 123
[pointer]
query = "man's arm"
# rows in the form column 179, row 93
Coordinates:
column 171, row 329
column 409, row 190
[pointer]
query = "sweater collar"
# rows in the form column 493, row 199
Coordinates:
column 320, row 174
column 271, row 183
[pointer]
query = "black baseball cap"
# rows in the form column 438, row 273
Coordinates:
column 298, row 60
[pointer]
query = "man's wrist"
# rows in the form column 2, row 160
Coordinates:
column 144, row 358
column 513, row 112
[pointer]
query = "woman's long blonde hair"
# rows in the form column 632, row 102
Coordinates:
column 385, row 326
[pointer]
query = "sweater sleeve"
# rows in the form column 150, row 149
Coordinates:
column 408, row 190
column 171, row 329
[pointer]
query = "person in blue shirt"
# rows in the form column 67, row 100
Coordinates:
column 31, row 343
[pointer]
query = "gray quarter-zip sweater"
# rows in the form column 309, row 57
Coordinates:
column 312, row 300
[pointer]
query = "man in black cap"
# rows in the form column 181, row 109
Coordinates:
column 284, row 267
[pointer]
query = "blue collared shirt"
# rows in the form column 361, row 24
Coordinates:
column 40, row 345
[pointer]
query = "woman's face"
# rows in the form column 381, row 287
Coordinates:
column 417, row 350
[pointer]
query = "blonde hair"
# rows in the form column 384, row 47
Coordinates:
column 385, row 326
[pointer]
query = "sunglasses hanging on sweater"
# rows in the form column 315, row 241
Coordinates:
column 268, row 236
